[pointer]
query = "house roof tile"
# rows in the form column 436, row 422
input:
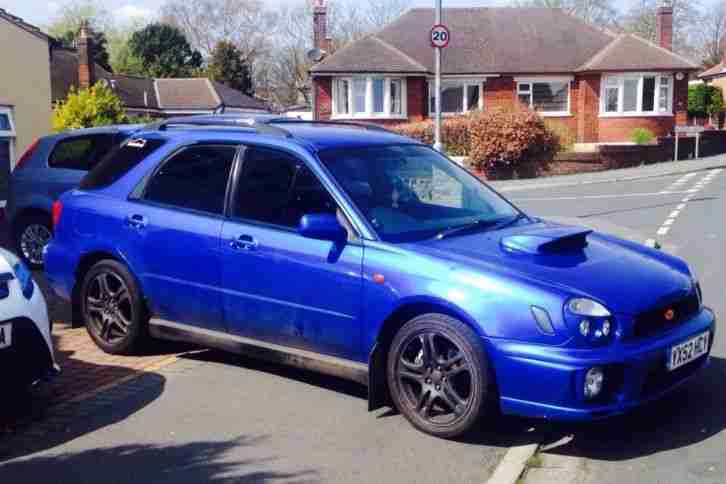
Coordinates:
column 630, row 52
column 716, row 71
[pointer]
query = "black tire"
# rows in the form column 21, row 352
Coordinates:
column 116, row 319
column 30, row 232
column 444, row 395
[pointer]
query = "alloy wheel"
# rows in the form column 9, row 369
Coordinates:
column 108, row 307
column 32, row 242
column 435, row 377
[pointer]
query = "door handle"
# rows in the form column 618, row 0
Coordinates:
column 136, row 221
column 244, row 242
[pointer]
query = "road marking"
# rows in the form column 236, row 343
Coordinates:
column 584, row 197
column 697, row 187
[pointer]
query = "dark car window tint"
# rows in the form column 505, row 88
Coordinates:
column 195, row 178
column 80, row 153
column 277, row 188
column 118, row 162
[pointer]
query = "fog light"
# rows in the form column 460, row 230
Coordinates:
column 593, row 382
column 584, row 327
column 606, row 328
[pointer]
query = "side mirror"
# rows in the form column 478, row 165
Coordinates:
column 322, row 226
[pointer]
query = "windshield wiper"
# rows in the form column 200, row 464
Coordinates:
column 491, row 224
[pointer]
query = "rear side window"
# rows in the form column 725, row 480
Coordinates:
column 80, row 153
column 119, row 162
column 195, row 178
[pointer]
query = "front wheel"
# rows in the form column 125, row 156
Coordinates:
column 438, row 375
column 32, row 234
column 112, row 308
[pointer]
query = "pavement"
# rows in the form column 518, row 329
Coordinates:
column 181, row 414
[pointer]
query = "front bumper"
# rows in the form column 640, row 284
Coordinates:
column 28, row 360
column 547, row 382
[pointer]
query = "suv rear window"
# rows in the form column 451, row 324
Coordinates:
column 80, row 153
column 119, row 162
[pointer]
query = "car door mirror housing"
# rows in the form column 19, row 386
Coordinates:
column 322, row 226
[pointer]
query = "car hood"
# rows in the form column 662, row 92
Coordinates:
column 625, row 277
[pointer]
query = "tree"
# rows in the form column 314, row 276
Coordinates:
column 228, row 65
column 598, row 12
column 704, row 100
column 711, row 34
column 164, row 51
column 100, row 43
column 71, row 13
column 641, row 20
column 244, row 23
column 97, row 105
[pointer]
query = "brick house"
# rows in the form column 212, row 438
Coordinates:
column 143, row 95
column 596, row 84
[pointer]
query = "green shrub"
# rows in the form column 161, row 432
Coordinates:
column 704, row 100
column 138, row 119
column 454, row 134
column 517, row 140
column 85, row 108
column 565, row 137
column 642, row 136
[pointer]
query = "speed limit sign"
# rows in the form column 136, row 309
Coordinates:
column 440, row 36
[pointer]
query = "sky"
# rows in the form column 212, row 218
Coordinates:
column 41, row 12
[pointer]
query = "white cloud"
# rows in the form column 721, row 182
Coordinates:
column 132, row 12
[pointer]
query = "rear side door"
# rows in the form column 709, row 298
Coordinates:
column 70, row 159
column 278, row 285
column 174, row 225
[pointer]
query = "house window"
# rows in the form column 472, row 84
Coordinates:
column 368, row 97
column 457, row 97
column 7, row 137
column 637, row 94
column 549, row 97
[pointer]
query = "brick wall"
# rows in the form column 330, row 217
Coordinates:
column 323, row 87
column 499, row 92
column 588, row 107
column 620, row 129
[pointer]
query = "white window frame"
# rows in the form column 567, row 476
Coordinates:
column 465, row 83
column 9, row 134
column 368, row 111
column 613, row 81
column 522, row 81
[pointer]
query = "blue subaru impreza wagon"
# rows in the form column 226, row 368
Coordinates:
column 347, row 249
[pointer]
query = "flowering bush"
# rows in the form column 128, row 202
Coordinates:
column 517, row 141
column 454, row 132
column 85, row 108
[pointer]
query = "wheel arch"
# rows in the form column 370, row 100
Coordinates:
column 378, row 392
column 30, row 211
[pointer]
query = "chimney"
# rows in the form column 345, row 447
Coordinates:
column 320, row 25
column 84, row 45
column 664, row 24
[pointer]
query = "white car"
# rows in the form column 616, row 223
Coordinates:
column 26, row 348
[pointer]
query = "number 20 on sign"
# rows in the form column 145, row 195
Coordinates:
column 440, row 36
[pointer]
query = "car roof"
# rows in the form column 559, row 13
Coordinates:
column 312, row 135
column 109, row 129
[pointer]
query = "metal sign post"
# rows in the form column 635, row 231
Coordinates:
column 689, row 131
column 437, row 44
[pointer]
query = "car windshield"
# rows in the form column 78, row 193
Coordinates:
column 411, row 192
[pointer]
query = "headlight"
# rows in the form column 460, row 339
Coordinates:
column 587, row 307
column 25, row 279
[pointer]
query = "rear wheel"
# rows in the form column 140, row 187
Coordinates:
column 32, row 234
column 438, row 375
column 112, row 308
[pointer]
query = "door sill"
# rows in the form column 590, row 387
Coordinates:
column 286, row 355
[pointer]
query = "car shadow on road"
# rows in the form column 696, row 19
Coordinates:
column 692, row 414
column 57, row 412
column 196, row 462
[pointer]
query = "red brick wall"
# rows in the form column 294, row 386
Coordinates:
column 323, row 87
column 499, row 92
column 621, row 129
column 588, row 108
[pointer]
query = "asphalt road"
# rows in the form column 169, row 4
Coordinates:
column 680, row 439
column 222, row 418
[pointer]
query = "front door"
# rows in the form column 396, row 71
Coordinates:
column 278, row 285
column 175, row 226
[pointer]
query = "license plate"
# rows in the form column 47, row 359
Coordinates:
column 688, row 351
column 6, row 336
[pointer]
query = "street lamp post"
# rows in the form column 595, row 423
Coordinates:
column 437, row 86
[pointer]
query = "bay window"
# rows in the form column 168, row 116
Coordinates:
column 457, row 97
column 637, row 94
column 368, row 97
column 546, row 96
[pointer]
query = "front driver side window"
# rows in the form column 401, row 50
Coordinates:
column 276, row 188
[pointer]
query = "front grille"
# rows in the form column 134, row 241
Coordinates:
column 28, row 359
column 654, row 321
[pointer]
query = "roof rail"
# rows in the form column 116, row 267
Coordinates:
column 357, row 124
column 228, row 122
